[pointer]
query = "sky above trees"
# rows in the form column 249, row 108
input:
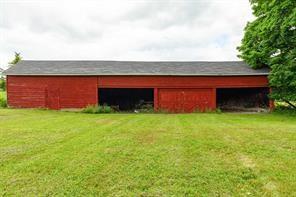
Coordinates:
column 122, row 30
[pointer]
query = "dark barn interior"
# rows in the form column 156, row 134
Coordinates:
column 126, row 99
column 236, row 99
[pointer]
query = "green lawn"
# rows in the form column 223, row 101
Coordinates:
column 67, row 153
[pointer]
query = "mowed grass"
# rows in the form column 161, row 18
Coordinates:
column 66, row 153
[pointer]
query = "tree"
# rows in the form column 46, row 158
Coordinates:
column 17, row 58
column 270, row 41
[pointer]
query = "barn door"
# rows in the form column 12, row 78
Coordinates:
column 53, row 98
column 185, row 100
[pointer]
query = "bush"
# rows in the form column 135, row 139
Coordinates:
column 2, row 85
column 3, row 103
column 97, row 109
column 3, row 100
column 146, row 108
column 284, row 109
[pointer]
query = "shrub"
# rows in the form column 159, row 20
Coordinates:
column 284, row 109
column 3, row 103
column 3, row 100
column 218, row 110
column 2, row 85
column 146, row 108
column 97, row 109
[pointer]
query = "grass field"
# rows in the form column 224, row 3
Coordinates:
column 74, row 154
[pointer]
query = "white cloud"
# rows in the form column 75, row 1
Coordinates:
column 122, row 30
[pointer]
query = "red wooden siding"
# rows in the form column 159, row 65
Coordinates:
column 190, row 82
column 203, row 95
column 183, row 93
column 186, row 100
column 51, row 92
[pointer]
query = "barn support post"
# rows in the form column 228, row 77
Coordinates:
column 155, row 99
column 98, row 97
column 271, row 102
column 97, row 90
column 214, row 99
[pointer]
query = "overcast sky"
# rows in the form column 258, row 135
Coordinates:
column 122, row 30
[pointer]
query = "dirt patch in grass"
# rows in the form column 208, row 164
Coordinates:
column 147, row 138
column 271, row 188
column 105, row 121
column 247, row 161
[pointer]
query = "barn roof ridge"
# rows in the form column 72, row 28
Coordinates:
column 106, row 60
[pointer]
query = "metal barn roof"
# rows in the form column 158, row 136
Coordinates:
column 91, row 68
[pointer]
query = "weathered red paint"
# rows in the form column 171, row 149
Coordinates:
column 173, row 93
column 51, row 92
column 271, row 102
column 182, row 82
column 186, row 100
column 192, row 99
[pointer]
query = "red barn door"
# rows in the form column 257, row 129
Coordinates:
column 186, row 100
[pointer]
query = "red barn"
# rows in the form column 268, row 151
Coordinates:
column 170, row 86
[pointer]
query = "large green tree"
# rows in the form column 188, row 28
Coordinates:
column 270, row 41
